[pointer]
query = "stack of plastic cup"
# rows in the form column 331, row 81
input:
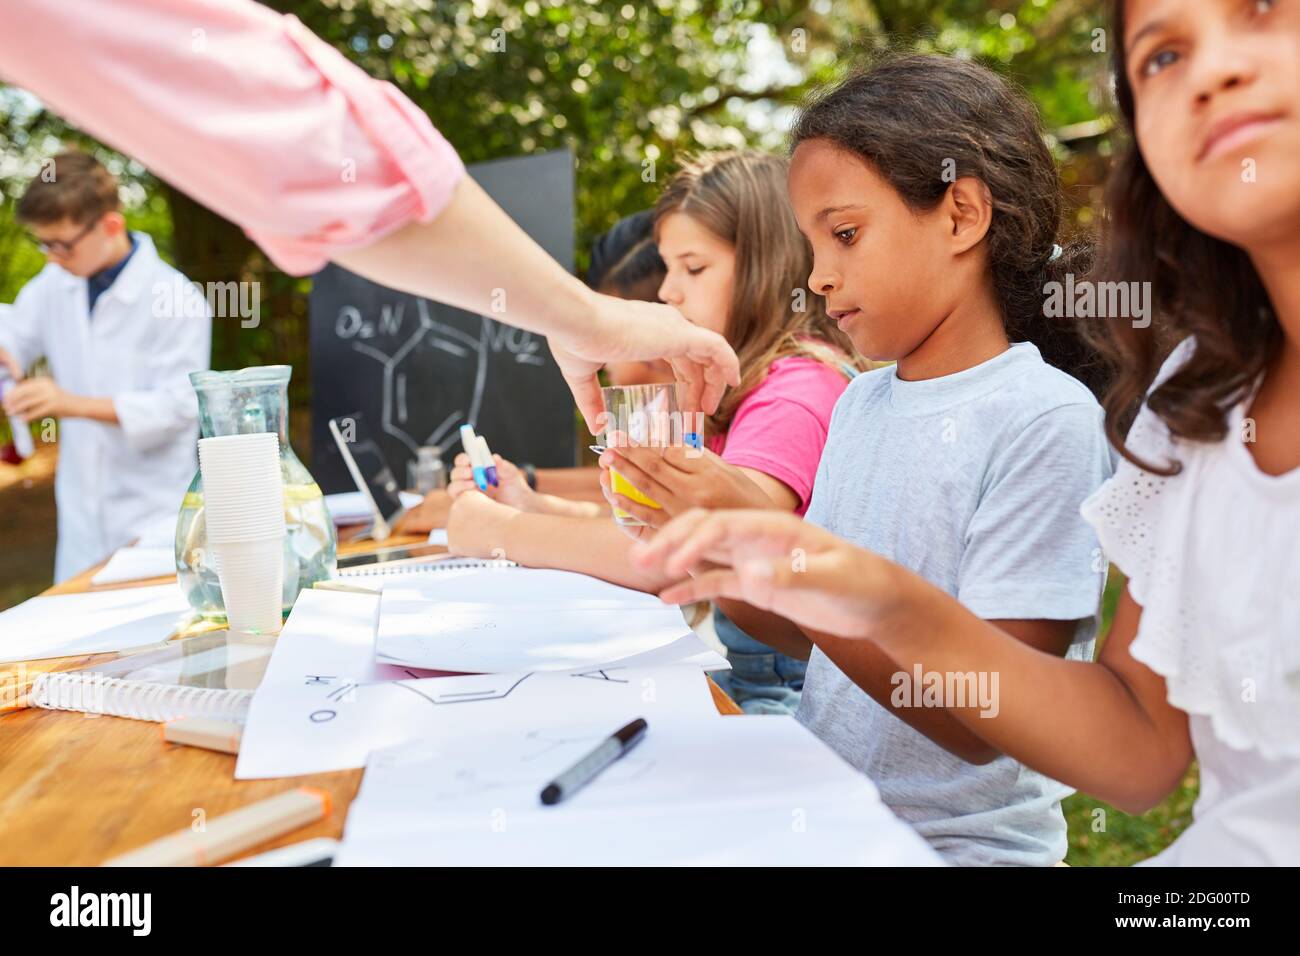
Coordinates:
column 243, row 503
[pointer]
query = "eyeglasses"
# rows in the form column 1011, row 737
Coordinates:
column 63, row 247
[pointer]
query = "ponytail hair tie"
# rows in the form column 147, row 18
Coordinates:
column 1057, row 252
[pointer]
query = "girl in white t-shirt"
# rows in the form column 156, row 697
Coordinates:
column 1203, row 514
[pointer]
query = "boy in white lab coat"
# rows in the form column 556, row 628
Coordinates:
column 120, row 350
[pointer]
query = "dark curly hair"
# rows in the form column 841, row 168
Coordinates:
column 1201, row 286
column 915, row 117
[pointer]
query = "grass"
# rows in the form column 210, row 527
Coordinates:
column 1101, row 835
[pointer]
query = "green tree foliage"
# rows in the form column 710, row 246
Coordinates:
column 628, row 87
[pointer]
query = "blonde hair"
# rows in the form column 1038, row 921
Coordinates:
column 740, row 196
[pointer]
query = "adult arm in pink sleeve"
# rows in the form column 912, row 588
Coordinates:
column 244, row 109
column 252, row 115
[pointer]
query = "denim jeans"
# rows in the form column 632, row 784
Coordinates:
column 761, row 680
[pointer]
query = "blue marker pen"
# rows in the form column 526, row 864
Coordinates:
column 480, row 473
column 489, row 463
column 470, row 441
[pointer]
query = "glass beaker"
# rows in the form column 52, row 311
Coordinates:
column 248, row 401
column 426, row 472
column 639, row 415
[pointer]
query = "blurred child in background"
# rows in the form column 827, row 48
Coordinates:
column 121, row 331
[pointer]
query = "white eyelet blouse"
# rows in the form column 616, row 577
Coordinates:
column 1212, row 555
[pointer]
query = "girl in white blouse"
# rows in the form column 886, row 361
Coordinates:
column 1203, row 514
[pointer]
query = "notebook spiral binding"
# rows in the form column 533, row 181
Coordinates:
column 137, row 700
column 441, row 564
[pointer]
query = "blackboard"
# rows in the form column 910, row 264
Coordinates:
column 418, row 370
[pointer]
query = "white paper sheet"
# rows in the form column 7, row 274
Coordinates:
column 469, row 637
column 490, row 620
column 759, row 791
column 511, row 585
column 335, row 723
column 157, row 532
column 96, row 622
column 330, row 633
column 327, row 646
column 137, row 564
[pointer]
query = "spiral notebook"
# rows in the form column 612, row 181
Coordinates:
column 425, row 565
column 211, row 675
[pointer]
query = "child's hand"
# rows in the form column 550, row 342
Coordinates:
column 512, row 487
column 36, row 398
column 637, row 532
column 476, row 526
column 428, row 514
column 679, row 479
column 774, row 561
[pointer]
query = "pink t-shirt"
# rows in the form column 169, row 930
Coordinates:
column 780, row 427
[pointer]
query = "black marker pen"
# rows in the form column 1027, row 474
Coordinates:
column 586, row 769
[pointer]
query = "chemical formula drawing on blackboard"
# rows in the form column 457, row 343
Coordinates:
column 523, row 346
column 419, row 369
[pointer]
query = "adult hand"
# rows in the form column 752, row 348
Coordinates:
column 702, row 361
column 777, row 562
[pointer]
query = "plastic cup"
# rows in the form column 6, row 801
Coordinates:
column 238, row 447
column 243, row 491
column 641, row 416
column 252, row 582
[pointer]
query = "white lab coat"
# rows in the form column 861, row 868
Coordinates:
column 137, row 348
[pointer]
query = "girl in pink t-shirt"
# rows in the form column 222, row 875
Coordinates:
column 736, row 264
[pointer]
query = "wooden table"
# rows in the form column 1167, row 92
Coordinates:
column 78, row 790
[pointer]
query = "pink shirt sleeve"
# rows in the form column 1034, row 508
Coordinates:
column 243, row 109
column 781, row 425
